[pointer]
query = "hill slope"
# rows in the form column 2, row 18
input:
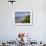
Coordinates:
column 27, row 19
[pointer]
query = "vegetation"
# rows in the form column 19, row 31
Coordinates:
column 27, row 19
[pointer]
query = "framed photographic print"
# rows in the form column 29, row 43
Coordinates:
column 23, row 17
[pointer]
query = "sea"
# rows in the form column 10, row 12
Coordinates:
column 19, row 19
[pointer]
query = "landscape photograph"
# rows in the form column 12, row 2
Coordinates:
column 22, row 17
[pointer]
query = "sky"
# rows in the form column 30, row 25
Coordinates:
column 18, row 14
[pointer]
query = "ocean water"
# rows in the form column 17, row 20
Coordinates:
column 19, row 19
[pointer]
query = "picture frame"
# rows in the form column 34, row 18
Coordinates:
column 28, row 14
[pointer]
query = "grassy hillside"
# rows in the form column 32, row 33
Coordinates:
column 27, row 19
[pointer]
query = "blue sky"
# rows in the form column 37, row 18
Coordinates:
column 22, row 13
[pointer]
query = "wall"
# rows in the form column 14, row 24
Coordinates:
column 9, row 31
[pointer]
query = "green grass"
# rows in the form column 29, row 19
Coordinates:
column 27, row 19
